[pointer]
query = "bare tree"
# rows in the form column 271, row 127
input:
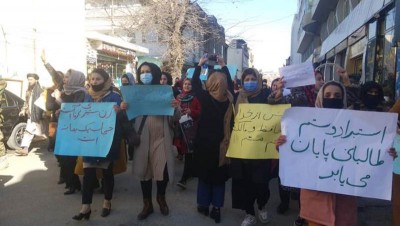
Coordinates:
column 179, row 25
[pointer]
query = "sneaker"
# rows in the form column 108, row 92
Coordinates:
column 181, row 184
column 263, row 215
column 299, row 222
column 249, row 220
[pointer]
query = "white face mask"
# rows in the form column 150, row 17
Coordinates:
column 146, row 78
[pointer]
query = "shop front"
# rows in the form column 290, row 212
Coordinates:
column 112, row 54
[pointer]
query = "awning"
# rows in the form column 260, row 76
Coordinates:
column 116, row 41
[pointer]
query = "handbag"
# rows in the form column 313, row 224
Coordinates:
column 188, row 127
column 134, row 137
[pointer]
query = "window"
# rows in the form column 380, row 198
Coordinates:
column 3, row 102
column 390, row 17
column 389, row 70
column 369, row 65
column 346, row 8
column 372, row 30
column 340, row 11
column 332, row 22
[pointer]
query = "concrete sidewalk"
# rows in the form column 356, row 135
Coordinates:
column 29, row 195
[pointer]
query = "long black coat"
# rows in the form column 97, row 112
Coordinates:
column 210, row 133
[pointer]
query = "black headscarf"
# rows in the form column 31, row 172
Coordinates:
column 371, row 101
column 155, row 72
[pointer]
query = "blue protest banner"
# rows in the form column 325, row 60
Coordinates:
column 232, row 70
column 148, row 100
column 85, row 129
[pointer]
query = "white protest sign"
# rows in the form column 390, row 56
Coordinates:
column 338, row 151
column 298, row 75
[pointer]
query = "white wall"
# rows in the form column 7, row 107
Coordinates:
column 32, row 25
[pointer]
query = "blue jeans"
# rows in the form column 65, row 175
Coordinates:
column 210, row 194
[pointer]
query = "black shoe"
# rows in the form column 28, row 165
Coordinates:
column 71, row 190
column 282, row 208
column 61, row 181
column 105, row 212
column 80, row 216
column 216, row 214
column 203, row 210
column 299, row 222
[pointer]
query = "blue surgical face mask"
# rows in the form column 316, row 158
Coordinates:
column 250, row 86
column 146, row 78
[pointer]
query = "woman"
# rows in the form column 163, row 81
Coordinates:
column 153, row 157
column 73, row 92
column 324, row 208
column 127, row 80
column 101, row 91
column 190, row 106
column 212, row 137
column 250, row 178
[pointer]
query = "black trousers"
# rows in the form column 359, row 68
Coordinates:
column 146, row 185
column 89, row 179
column 188, row 167
column 245, row 192
column 72, row 180
column 284, row 195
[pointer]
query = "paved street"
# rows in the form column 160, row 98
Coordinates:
column 30, row 196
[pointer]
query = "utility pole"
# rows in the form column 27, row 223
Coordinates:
column 112, row 17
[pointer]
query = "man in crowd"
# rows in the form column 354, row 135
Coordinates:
column 33, row 113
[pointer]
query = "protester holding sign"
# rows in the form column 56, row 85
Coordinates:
column 73, row 92
column 212, row 137
column 190, row 110
column 101, row 90
column 153, row 156
column 324, row 208
column 250, row 177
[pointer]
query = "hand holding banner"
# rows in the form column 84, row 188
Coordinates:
column 148, row 100
column 338, row 151
column 257, row 126
column 298, row 75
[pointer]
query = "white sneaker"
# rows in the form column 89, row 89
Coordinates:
column 249, row 220
column 263, row 215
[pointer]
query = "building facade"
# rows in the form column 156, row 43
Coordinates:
column 358, row 35
column 27, row 27
column 239, row 54
column 100, row 19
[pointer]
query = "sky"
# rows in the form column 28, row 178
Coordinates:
column 264, row 24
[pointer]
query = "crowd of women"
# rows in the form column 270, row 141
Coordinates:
column 208, row 108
